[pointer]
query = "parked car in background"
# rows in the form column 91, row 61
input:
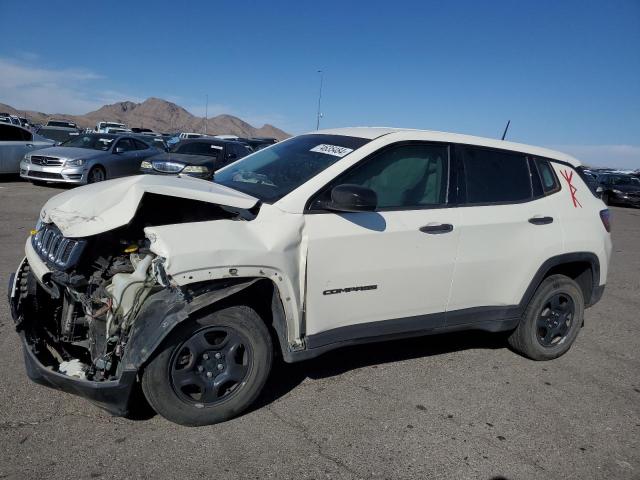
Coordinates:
column 258, row 143
column 591, row 179
column 117, row 130
column 185, row 135
column 620, row 189
column 155, row 141
column 101, row 127
column 195, row 157
column 24, row 122
column 144, row 131
column 58, row 134
column 87, row 158
column 61, row 123
column 10, row 119
column 15, row 142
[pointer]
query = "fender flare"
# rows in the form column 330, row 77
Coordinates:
column 556, row 261
column 163, row 311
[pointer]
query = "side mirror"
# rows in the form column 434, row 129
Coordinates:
column 119, row 149
column 352, row 198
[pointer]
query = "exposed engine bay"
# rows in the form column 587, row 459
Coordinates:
column 78, row 319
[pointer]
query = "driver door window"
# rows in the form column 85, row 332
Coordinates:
column 125, row 144
column 409, row 176
column 403, row 177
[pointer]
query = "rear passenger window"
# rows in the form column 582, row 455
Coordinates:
column 9, row 133
column 494, row 176
column 547, row 176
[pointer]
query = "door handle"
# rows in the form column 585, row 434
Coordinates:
column 436, row 228
column 541, row 220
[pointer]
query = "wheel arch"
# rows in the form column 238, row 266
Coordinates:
column 582, row 267
column 163, row 311
column 100, row 166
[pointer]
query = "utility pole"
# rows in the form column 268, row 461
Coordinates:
column 319, row 116
column 206, row 114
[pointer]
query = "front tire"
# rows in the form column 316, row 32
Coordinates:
column 210, row 369
column 551, row 321
column 96, row 174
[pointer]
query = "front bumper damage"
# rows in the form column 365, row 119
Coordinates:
column 111, row 395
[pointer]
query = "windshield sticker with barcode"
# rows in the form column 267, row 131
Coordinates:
column 334, row 150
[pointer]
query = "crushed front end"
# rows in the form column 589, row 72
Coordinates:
column 74, row 302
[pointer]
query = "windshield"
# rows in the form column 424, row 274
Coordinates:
column 272, row 173
column 94, row 142
column 198, row 148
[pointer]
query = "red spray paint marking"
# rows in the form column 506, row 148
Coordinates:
column 568, row 176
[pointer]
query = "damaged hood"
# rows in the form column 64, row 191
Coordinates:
column 103, row 206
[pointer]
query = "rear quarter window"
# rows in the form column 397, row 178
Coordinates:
column 548, row 178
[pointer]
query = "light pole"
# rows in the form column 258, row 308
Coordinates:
column 206, row 114
column 319, row 100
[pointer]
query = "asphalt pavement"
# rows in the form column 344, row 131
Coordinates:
column 449, row 406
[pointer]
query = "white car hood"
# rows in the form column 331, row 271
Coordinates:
column 103, row 206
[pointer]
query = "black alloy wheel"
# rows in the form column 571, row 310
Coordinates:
column 210, row 366
column 555, row 319
column 552, row 320
column 95, row 175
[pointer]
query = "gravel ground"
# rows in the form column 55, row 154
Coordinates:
column 456, row 406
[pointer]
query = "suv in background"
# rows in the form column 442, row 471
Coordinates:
column 324, row 240
column 62, row 124
column 105, row 127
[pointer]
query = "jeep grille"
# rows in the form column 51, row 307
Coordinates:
column 56, row 250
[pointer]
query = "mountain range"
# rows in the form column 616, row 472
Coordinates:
column 158, row 115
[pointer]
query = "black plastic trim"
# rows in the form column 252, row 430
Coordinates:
column 490, row 319
column 113, row 396
column 558, row 260
column 596, row 295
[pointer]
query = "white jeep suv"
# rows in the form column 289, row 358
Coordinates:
column 327, row 239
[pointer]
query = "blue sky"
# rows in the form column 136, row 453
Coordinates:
column 567, row 74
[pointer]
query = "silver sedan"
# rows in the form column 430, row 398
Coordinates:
column 15, row 142
column 87, row 158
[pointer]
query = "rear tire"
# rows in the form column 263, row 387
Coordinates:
column 551, row 321
column 210, row 369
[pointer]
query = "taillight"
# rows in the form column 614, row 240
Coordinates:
column 605, row 216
